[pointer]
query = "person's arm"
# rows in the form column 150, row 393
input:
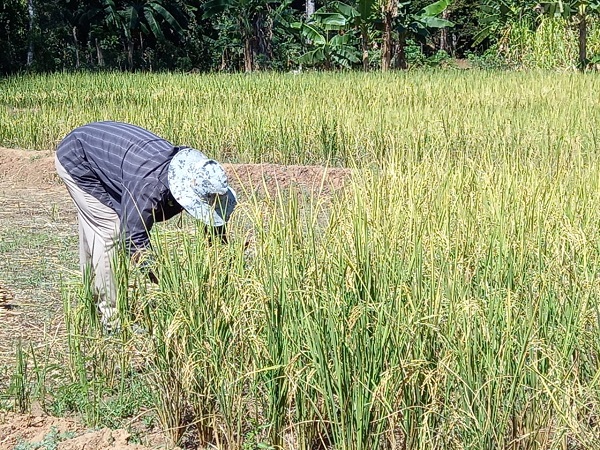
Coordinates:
column 138, row 204
column 137, row 215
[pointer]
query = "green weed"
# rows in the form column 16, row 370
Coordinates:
column 50, row 441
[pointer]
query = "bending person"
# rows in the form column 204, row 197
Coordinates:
column 123, row 179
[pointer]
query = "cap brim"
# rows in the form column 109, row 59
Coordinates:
column 215, row 215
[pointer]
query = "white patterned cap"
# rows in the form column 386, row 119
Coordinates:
column 200, row 185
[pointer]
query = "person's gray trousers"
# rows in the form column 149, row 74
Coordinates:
column 99, row 228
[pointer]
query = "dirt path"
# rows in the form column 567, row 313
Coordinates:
column 38, row 249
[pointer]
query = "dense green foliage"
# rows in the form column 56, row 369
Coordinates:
column 248, row 35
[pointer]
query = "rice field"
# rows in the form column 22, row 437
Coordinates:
column 341, row 118
column 447, row 298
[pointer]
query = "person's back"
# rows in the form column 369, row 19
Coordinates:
column 107, row 158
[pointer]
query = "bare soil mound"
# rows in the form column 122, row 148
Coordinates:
column 26, row 167
column 31, row 431
column 29, row 168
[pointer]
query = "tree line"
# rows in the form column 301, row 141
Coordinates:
column 250, row 35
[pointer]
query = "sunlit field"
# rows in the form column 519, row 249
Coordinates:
column 446, row 298
column 317, row 118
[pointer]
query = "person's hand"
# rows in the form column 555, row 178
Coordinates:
column 143, row 260
column 216, row 234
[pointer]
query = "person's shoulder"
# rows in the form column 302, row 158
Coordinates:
column 95, row 127
column 111, row 124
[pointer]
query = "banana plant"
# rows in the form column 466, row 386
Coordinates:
column 361, row 18
column 496, row 16
column 247, row 15
column 332, row 45
column 145, row 17
column 408, row 24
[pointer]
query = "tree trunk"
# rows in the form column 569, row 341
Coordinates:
column 262, row 39
column 76, row 43
column 310, row 8
column 386, row 45
column 223, row 60
column 389, row 11
column 248, row 54
column 401, row 62
column 31, row 10
column 582, row 41
column 145, row 61
column 365, row 48
column 130, row 53
column 99, row 54
column 444, row 34
column 89, row 51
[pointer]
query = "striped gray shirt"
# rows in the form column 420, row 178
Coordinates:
column 125, row 167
